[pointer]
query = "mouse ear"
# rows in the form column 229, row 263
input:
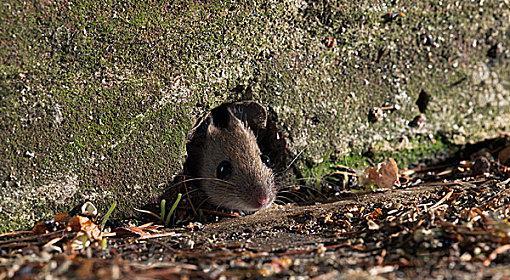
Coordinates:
column 199, row 131
column 250, row 112
column 218, row 118
column 221, row 116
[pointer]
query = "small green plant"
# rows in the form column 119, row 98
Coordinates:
column 104, row 243
column 164, row 217
column 108, row 214
column 162, row 214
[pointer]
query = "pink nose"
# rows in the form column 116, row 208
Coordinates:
column 262, row 200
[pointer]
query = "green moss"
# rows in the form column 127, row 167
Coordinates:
column 419, row 149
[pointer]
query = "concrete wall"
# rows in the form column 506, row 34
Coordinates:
column 96, row 99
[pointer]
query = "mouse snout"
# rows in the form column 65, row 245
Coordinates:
column 262, row 199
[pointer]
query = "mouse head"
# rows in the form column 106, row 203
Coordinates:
column 227, row 159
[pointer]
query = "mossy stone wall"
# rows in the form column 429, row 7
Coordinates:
column 97, row 98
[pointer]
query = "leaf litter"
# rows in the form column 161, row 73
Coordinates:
column 449, row 219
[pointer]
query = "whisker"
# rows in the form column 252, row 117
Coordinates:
column 280, row 192
column 202, row 203
column 297, row 196
column 294, row 186
column 318, row 192
column 286, row 198
column 310, row 178
column 323, row 177
column 190, row 192
column 291, row 163
column 198, row 179
column 284, row 193
column 278, row 202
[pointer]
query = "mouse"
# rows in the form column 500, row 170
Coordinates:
column 225, row 162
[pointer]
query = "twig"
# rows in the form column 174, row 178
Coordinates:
column 34, row 237
column 146, row 212
column 15, row 233
column 495, row 253
column 442, row 200
column 157, row 235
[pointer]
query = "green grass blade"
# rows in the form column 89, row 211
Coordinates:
column 108, row 214
column 176, row 202
column 163, row 210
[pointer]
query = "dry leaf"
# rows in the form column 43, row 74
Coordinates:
column 144, row 230
column 384, row 175
column 58, row 222
column 375, row 214
column 39, row 228
column 504, row 155
column 62, row 217
column 79, row 223
column 275, row 266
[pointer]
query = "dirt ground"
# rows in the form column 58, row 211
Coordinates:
column 448, row 220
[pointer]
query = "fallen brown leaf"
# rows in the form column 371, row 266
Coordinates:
column 504, row 155
column 375, row 214
column 39, row 228
column 79, row 223
column 145, row 230
column 62, row 217
column 384, row 175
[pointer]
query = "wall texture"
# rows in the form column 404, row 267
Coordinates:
column 96, row 99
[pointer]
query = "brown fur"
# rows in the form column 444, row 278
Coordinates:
column 211, row 144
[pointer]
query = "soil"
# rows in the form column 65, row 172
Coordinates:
column 448, row 220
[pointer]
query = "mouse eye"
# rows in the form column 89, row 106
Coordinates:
column 224, row 170
column 265, row 159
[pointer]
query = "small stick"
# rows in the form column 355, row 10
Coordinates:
column 495, row 253
column 442, row 200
